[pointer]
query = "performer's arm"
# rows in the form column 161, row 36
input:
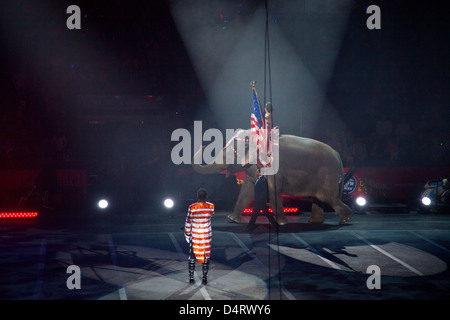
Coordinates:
column 188, row 226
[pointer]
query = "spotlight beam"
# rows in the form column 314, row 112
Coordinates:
column 304, row 48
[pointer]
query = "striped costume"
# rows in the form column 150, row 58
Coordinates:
column 197, row 229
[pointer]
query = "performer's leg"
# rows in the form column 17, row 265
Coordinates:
column 251, row 223
column 191, row 266
column 271, row 218
column 191, row 271
column 205, row 272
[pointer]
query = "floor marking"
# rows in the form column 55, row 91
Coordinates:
column 203, row 290
column 247, row 250
column 387, row 254
column 430, row 241
column 331, row 263
column 112, row 250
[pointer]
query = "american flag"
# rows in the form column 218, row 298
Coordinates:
column 257, row 120
column 263, row 135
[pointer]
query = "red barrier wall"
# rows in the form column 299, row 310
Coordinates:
column 401, row 185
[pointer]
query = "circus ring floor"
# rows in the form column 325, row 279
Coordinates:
column 144, row 257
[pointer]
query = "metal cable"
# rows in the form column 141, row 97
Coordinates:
column 268, row 82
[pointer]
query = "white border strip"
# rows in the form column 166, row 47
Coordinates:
column 331, row 263
column 387, row 254
column 430, row 241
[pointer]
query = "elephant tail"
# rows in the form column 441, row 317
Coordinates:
column 349, row 173
column 342, row 176
column 345, row 176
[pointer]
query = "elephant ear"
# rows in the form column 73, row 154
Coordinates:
column 241, row 135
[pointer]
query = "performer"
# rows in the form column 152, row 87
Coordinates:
column 261, row 202
column 268, row 116
column 267, row 152
column 198, row 233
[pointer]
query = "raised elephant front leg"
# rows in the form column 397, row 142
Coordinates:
column 246, row 195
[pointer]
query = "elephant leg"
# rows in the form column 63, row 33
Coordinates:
column 246, row 195
column 316, row 214
column 280, row 216
column 344, row 211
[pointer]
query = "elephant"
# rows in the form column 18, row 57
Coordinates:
column 307, row 168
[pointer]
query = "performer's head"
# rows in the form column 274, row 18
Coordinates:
column 201, row 194
column 268, row 107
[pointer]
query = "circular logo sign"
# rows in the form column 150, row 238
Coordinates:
column 350, row 185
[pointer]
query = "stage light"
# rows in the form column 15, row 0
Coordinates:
column 360, row 201
column 285, row 210
column 103, row 204
column 168, row 203
column 426, row 201
column 7, row 215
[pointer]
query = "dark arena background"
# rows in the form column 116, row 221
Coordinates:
column 92, row 205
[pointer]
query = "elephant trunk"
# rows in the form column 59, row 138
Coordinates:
column 208, row 168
